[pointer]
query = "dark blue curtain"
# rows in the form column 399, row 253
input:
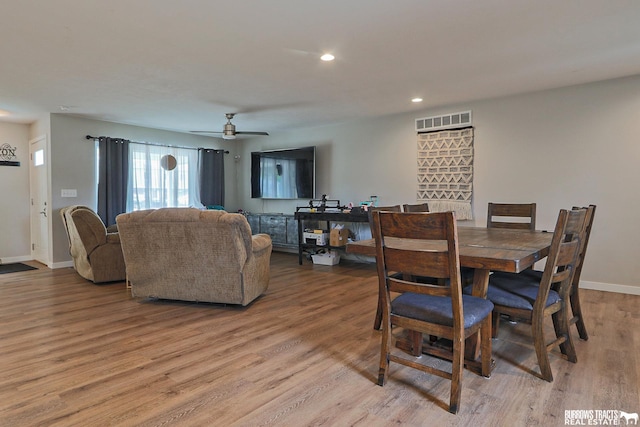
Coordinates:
column 211, row 171
column 113, row 174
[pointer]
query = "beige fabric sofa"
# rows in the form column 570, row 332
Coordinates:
column 194, row 255
column 96, row 253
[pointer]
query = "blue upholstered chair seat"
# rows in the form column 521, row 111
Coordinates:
column 437, row 309
column 516, row 292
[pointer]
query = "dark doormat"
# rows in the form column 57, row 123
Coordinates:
column 15, row 267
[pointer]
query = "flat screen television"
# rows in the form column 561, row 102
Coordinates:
column 284, row 174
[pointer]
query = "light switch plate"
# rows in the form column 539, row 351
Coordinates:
column 66, row 192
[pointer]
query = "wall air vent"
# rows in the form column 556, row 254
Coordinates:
column 445, row 121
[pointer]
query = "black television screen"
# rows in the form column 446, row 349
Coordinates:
column 283, row 174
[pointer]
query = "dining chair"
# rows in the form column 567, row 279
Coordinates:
column 503, row 215
column 421, row 308
column 533, row 302
column 419, row 207
column 534, row 276
column 507, row 212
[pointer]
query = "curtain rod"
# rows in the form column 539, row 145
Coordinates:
column 157, row 145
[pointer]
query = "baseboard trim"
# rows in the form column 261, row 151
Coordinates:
column 63, row 264
column 51, row 265
column 610, row 287
column 12, row 259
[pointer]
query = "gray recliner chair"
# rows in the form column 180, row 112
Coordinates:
column 194, row 255
column 96, row 253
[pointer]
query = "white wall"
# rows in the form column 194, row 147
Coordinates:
column 558, row 148
column 14, row 194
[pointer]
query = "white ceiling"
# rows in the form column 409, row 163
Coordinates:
column 180, row 65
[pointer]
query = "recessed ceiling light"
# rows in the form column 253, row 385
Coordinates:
column 416, row 100
column 327, row 57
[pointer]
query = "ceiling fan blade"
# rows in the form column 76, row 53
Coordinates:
column 252, row 133
column 204, row 131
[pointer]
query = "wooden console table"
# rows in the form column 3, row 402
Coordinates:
column 327, row 217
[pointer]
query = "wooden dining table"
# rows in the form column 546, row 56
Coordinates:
column 484, row 250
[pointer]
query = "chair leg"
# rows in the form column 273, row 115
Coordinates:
column 385, row 348
column 541, row 347
column 561, row 325
column 378, row 320
column 577, row 314
column 456, row 374
column 485, row 347
column 415, row 338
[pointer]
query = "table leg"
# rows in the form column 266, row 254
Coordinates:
column 480, row 285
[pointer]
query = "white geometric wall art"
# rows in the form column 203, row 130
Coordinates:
column 445, row 171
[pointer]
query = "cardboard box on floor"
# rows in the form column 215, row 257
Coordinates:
column 330, row 258
column 338, row 237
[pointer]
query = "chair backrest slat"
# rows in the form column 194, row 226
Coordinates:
column 431, row 264
column 511, row 210
column 420, row 207
column 391, row 208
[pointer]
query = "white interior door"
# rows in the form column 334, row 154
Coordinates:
column 40, row 211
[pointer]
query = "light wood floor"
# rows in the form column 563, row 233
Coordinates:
column 305, row 353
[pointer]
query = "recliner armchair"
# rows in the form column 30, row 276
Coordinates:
column 194, row 255
column 96, row 253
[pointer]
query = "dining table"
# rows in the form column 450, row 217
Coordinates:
column 484, row 250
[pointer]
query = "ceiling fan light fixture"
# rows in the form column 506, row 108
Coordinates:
column 229, row 129
column 327, row 57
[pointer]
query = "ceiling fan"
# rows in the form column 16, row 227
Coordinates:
column 229, row 130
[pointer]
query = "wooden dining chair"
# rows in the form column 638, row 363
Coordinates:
column 420, row 308
column 534, row 276
column 533, row 302
column 419, row 207
column 506, row 213
column 503, row 215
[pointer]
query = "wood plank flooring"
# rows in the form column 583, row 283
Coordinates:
column 77, row 354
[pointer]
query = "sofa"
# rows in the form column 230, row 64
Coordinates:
column 194, row 255
column 96, row 252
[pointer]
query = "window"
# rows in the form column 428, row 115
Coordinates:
column 38, row 158
column 151, row 186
